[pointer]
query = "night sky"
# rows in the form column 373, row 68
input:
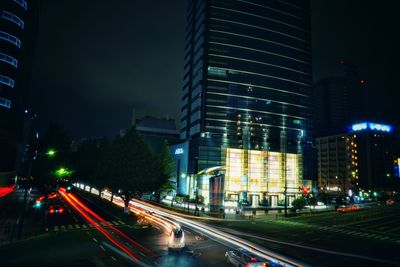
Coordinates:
column 96, row 60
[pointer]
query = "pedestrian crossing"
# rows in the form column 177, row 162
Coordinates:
column 85, row 226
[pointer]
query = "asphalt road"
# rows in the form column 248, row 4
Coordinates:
column 71, row 240
column 363, row 238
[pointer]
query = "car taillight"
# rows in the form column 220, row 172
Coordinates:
column 60, row 210
column 52, row 211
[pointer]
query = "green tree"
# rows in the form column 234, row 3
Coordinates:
column 163, row 169
column 299, row 203
column 312, row 201
column 57, row 139
column 130, row 166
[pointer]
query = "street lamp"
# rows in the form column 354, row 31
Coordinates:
column 62, row 172
column 51, row 153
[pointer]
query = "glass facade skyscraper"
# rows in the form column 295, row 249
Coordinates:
column 246, row 97
column 18, row 23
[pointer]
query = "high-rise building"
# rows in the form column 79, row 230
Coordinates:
column 338, row 101
column 18, row 23
column 362, row 159
column 246, row 97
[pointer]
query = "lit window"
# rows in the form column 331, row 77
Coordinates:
column 11, row 17
column 10, row 38
column 7, row 81
column 22, row 3
column 5, row 102
column 8, row 59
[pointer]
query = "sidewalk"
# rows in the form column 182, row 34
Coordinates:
column 11, row 213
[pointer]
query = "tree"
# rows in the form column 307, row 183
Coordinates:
column 312, row 201
column 164, row 169
column 130, row 165
column 299, row 203
column 55, row 138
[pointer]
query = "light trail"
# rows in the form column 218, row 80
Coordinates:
column 219, row 235
column 133, row 242
column 112, row 239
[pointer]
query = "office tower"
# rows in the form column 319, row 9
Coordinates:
column 338, row 101
column 17, row 37
column 246, row 96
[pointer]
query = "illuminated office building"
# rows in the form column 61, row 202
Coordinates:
column 246, row 98
column 361, row 160
column 18, row 23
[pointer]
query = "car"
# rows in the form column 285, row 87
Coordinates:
column 176, row 239
column 244, row 258
column 144, row 222
column 56, row 210
column 389, row 202
column 348, row 208
column 52, row 195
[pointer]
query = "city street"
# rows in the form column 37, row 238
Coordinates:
column 60, row 244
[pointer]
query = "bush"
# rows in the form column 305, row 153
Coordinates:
column 299, row 203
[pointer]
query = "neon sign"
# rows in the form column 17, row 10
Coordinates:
column 372, row 126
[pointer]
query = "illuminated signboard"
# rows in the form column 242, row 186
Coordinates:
column 372, row 126
column 179, row 151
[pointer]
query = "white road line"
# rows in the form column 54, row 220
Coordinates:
column 77, row 226
column 84, row 226
column 70, row 226
column 102, row 248
column 56, row 228
column 95, row 240
column 114, row 259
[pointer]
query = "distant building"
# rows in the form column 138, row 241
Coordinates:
column 362, row 160
column 338, row 101
column 156, row 130
column 18, row 24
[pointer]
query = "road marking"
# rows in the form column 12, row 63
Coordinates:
column 114, row 259
column 77, row 226
column 76, row 220
column 95, row 240
column 102, row 248
column 115, row 222
column 63, row 227
column 56, row 228
column 89, row 234
column 84, row 226
column 158, row 228
column 121, row 222
column 103, row 224
column 141, row 253
column 70, row 226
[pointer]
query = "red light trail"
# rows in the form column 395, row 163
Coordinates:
column 84, row 211
column 4, row 191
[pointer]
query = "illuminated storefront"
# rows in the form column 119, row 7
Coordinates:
column 253, row 175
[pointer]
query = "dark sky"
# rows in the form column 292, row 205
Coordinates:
column 96, row 60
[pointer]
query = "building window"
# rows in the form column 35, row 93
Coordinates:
column 7, row 81
column 8, row 59
column 11, row 17
column 10, row 38
column 22, row 3
column 5, row 102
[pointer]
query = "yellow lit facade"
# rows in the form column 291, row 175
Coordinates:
column 262, row 175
